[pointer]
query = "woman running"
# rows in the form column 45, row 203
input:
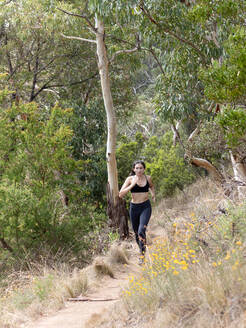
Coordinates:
column 139, row 185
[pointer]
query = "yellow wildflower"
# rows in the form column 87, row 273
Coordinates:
column 228, row 256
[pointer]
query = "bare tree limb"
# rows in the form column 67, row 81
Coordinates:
column 77, row 38
column 193, row 134
column 45, row 86
column 176, row 134
column 127, row 51
column 8, row 57
column 208, row 166
column 151, row 50
column 119, row 40
column 89, row 299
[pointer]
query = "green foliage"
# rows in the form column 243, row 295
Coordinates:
column 209, row 143
column 174, row 99
column 167, row 168
column 233, row 122
column 127, row 152
column 225, row 82
column 39, row 62
column 113, row 236
column 164, row 162
column 37, row 171
column 216, row 10
column 88, row 144
column 42, row 287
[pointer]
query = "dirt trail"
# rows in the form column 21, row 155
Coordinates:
column 77, row 314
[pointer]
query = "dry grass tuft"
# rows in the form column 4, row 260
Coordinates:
column 77, row 284
column 117, row 255
column 102, row 268
column 27, row 296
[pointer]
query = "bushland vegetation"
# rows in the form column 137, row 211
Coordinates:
column 194, row 272
column 177, row 72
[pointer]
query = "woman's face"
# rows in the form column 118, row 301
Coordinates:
column 139, row 169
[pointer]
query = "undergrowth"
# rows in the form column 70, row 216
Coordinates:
column 31, row 288
column 195, row 275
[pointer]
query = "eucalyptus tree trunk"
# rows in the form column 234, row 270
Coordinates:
column 117, row 213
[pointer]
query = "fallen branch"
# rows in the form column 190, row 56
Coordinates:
column 88, row 299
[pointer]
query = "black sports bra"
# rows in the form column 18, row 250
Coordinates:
column 137, row 188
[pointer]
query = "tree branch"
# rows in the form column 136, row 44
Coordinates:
column 127, row 51
column 6, row 2
column 208, row 166
column 176, row 134
column 119, row 40
column 8, row 57
column 151, row 50
column 157, row 60
column 77, row 38
column 71, row 84
column 47, row 86
column 188, row 42
column 80, row 16
column 35, row 75
column 194, row 133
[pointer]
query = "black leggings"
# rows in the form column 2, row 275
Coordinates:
column 140, row 215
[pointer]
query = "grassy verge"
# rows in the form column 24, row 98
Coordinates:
column 30, row 289
column 195, row 276
column 27, row 295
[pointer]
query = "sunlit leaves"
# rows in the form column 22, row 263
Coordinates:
column 233, row 122
column 225, row 82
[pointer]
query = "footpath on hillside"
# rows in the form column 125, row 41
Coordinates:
column 102, row 295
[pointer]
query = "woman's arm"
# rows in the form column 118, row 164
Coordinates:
column 152, row 188
column 127, row 186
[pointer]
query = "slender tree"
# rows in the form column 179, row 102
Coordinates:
column 117, row 213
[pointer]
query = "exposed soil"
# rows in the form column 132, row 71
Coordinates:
column 103, row 295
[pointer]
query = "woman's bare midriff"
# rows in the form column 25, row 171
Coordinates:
column 139, row 197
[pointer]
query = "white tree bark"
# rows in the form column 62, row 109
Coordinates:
column 108, row 103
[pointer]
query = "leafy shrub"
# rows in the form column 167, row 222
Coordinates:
column 127, row 152
column 167, row 166
column 209, row 143
column 41, row 200
column 164, row 162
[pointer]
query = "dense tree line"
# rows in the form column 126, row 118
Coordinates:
column 177, row 79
